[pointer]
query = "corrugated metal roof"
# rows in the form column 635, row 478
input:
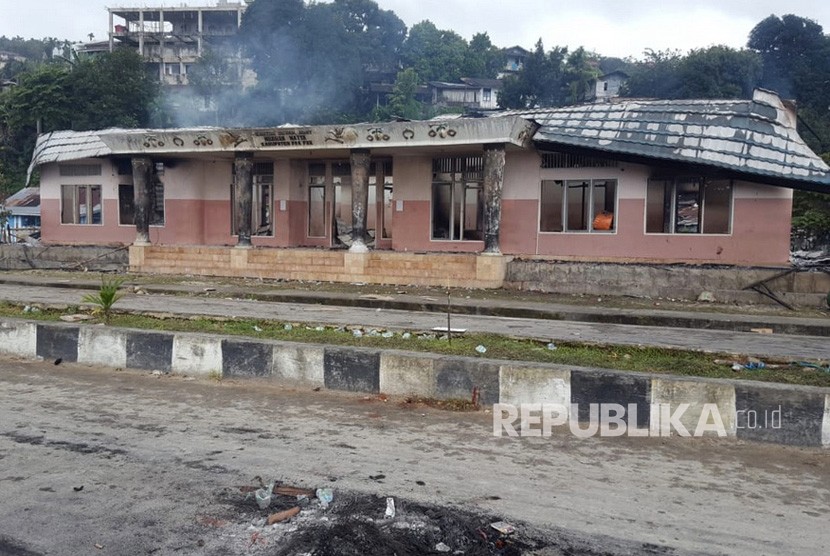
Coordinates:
column 26, row 197
column 752, row 137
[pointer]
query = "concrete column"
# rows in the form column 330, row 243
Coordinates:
column 243, row 192
column 112, row 32
column 142, row 182
column 493, row 185
column 360, row 160
column 201, row 26
column 162, row 64
column 140, row 32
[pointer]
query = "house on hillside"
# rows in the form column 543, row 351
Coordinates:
column 23, row 215
column 608, row 86
column 439, row 202
column 471, row 93
column 515, row 57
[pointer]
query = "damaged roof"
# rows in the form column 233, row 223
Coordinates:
column 755, row 137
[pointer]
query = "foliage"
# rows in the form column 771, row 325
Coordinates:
column 403, row 102
column 112, row 90
column 106, row 297
column 541, row 82
column 482, row 59
column 435, row 54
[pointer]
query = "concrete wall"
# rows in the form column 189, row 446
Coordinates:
column 681, row 281
column 744, row 407
column 376, row 267
column 198, row 212
column 25, row 257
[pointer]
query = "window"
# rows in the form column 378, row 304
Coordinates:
column 316, row 200
column 81, row 204
column 688, row 205
column 380, row 191
column 126, row 204
column 486, row 95
column 457, row 205
column 262, row 201
column 578, row 206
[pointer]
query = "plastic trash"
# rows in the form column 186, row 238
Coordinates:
column 406, row 335
column 388, row 334
column 390, row 508
column 481, row 349
column 357, row 333
column 503, row 527
column 441, row 547
column 325, row 496
column 263, row 496
column 288, row 327
column 551, row 346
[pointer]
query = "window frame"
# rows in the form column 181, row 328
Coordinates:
column 670, row 185
column 90, row 208
column 260, row 180
column 466, row 175
column 588, row 205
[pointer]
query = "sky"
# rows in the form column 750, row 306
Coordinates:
column 609, row 27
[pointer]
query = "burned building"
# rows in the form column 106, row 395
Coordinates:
column 443, row 202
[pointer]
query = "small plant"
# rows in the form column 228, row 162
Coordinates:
column 106, row 297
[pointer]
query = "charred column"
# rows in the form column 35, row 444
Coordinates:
column 142, row 182
column 493, row 185
column 360, row 160
column 243, row 193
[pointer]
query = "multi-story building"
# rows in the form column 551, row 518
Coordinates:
column 172, row 39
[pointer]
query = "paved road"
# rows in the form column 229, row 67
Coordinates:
column 155, row 453
column 760, row 345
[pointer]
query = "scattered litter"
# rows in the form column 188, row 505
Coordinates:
column 390, row 508
column 78, row 489
column 753, row 363
column 325, row 496
column 406, row 335
column 481, row 349
column 282, row 516
column 319, row 328
column 257, row 328
column 737, row 367
column 59, row 360
column 373, row 333
column 452, row 330
column 263, row 496
column 420, row 483
column 707, row 297
column 388, row 334
column 288, row 327
column 286, row 490
column 99, row 546
column 376, row 297
column 761, row 330
column 157, row 373
column 441, row 547
column 377, row 477
column 357, row 333
column 207, row 290
column 503, row 527
column 808, row 365
column 74, row 318
column 551, row 346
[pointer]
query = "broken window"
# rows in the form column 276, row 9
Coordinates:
column 578, row 206
column 262, row 201
column 688, row 205
column 380, row 199
column 126, row 204
column 341, row 176
column 81, row 204
column 316, row 200
column 457, row 190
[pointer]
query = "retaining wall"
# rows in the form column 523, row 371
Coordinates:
column 677, row 281
column 64, row 257
column 804, row 411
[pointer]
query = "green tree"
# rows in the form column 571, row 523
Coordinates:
column 540, row 82
column 580, row 73
column 435, row 54
column 215, row 80
column 403, row 102
column 482, row 59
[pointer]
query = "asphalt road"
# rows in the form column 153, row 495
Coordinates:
column 157, row 455
column 783, row 346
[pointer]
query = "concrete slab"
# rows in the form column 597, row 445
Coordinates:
column 456, row 377
column 102, row 346
column 525, row 384
column 298, row 362
column 57, row 342
column 671, row 393
column 196, row 355
column 152, row 351
column 779, row 414
column 246, row 359
column 351, row 370
column 18, row 338
column 404, row 374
